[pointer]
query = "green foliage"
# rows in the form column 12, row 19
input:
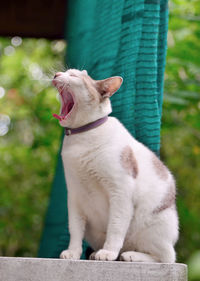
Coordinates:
column 29, row 149
column 181, row 123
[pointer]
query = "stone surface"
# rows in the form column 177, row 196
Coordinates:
column 34, row 269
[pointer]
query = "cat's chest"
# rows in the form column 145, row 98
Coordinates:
column 96, row 201
column 91, row 195
column 83, row 169
column 83, row 156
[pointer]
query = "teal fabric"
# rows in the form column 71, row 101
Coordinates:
column 116, row 37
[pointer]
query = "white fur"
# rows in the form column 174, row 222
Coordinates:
column 109, row 208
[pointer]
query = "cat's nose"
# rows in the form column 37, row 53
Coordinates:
column 57, row 74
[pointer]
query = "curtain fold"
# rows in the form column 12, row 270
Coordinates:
column 116, row 37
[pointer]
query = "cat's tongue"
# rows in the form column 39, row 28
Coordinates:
column 58, row 117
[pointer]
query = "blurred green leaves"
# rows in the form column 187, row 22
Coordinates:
column 29, row 139
column 193, row 265
column 181, row 124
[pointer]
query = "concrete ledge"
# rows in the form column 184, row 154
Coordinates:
column 34, row 269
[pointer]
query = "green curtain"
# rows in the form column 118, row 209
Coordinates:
column 115, row 37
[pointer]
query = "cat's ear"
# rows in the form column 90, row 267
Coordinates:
column 109, row 86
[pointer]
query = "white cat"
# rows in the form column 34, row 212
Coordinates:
column 121, row 197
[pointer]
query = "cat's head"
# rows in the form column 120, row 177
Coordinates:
column 83, row 100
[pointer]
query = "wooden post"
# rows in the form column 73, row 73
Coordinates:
column 34, row 269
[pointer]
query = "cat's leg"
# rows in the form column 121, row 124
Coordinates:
column 76, row 229
column 164, row 253
column 157, row 240
column 133, row 256
column 162, row 236
column 120, row 215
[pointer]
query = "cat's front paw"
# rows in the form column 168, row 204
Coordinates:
column 105, row 255
column 70, row 255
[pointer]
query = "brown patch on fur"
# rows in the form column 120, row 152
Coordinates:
column 128, row 161
column 168, row 201
column 93, row 93
column 160, row 168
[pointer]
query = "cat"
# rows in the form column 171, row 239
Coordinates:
column 121, row 197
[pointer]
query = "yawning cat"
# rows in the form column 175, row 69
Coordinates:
column 121, row 197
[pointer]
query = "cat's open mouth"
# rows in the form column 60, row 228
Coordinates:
column 67, row 103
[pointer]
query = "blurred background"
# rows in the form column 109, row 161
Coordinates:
column 30, row 137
